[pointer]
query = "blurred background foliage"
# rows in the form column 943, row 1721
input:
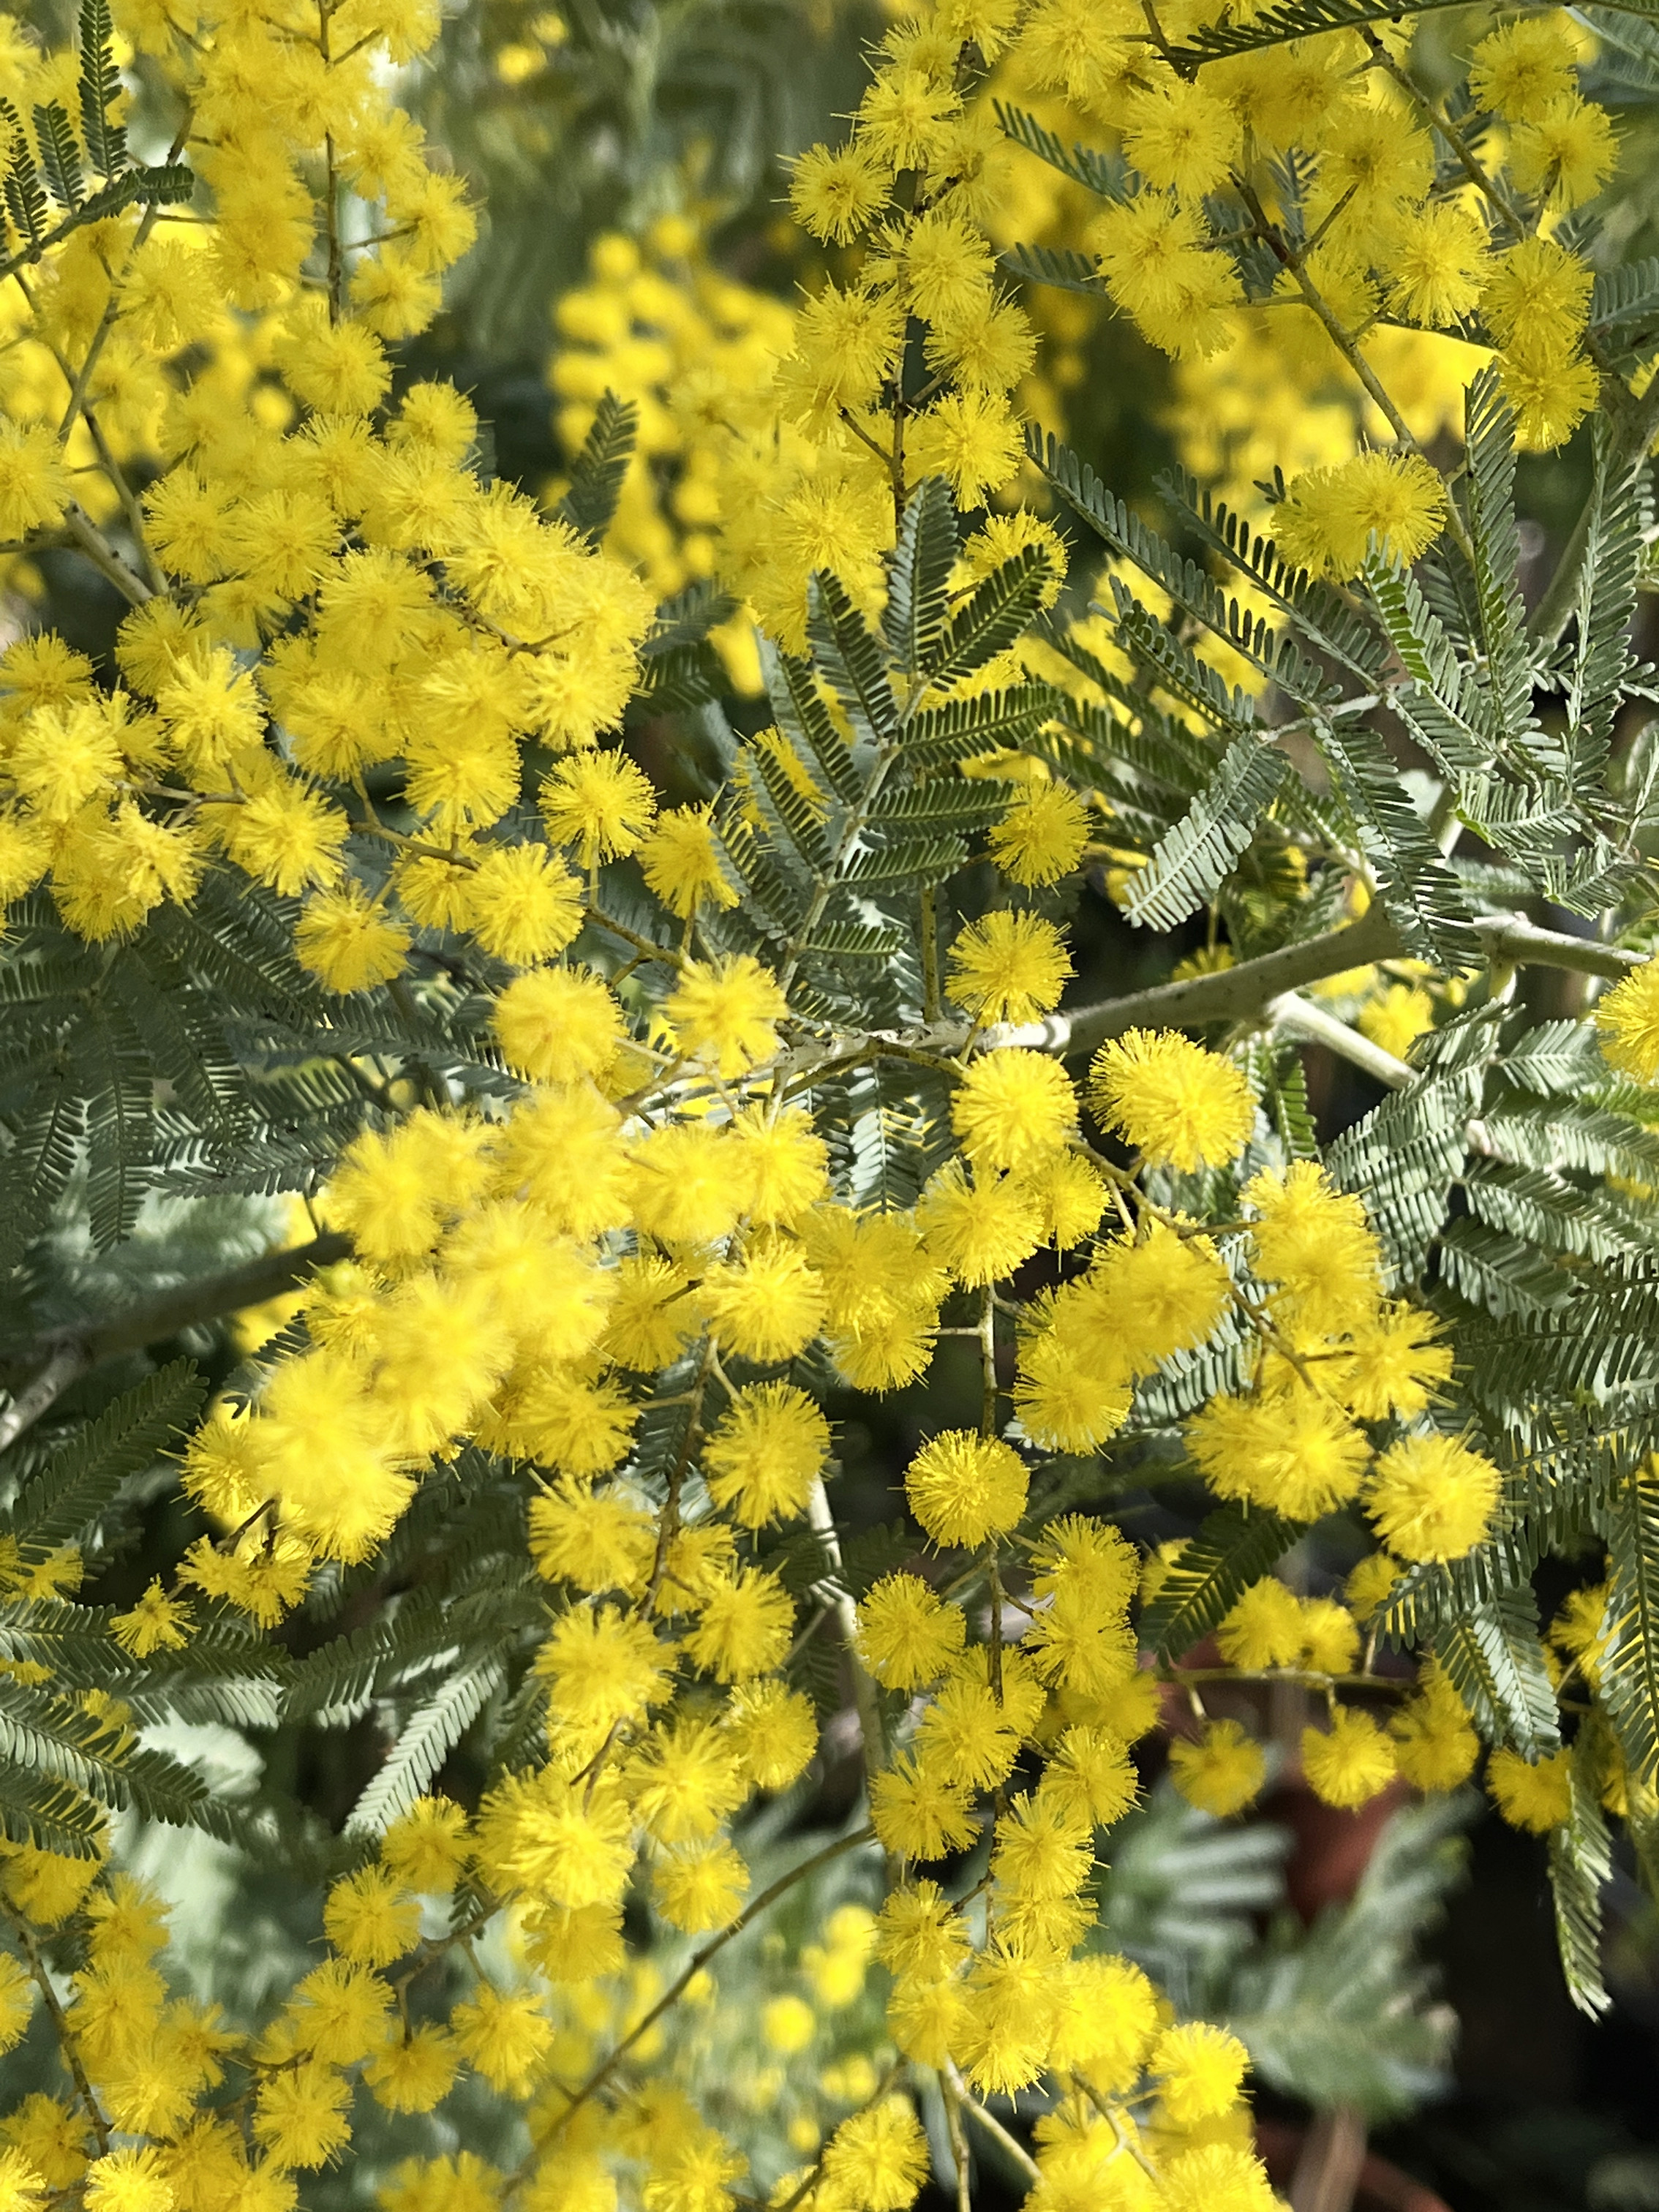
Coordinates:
column 630, row 158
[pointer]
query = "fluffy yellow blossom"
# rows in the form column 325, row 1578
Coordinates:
column 1532, row 1794
column 1200, row 2072
column 1627, row 1020
column 1008, row 968
column 1221, row 1771
column 762, row 1456
column 1348, row 1763
column 1170, row 1099
column 1432, row 1497
column 964, row 1488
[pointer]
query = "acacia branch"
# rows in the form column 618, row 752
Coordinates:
column 871, row 1736
column 694, row 1966
column 1304, row 1019
column 58, row 1357
column 1245, row 992
column 1635, row 424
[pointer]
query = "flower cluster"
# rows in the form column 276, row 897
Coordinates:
column 323, row 588
column 694, row 352
column 622, row 1259
column 1402, row 213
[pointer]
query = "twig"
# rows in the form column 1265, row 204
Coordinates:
column 872, row 1736
column 65, row 2032
column 677, row 1989
column 959, row 2157
column 993, row 2128
column 1292, row 1011
column 47, row 1386
column 67, row 1353
column 1240, row 993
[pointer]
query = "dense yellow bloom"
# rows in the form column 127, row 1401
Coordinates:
column 1432, row 1498
column 774, row 1731
column 879, row 2158
column 762, row 1458
column 682, row 1161
column 1200, row 2070
column 1565, row 152
column 368, row 1921
column 964, row 1488
column 424, row 1848
column 699, row 1889
column 157, row 1623
column 1437, row 257
column 128, row 2181
column 1042, row 836
column 1008, row 968
column 415, row 2073
column 16, row 2002
column 1013, row 1109
column 1434, row 1744
column 834, row 194
column 1290, row 1451
column 1627, row 1021
column 603, row 1666
column 726, row 1013
column 1538, row 290
column 1348, row 1763
column 1329, row 516
column 1393, row 1364
column 1171, row 1100
column 744, row 1626
column 1263, row 1628
column 769, row 1304
column 558, row 1025
column 981, row 1226
column 504, row 2038
column 1314, row 1241
column 1532, row 1794
column 601, row 803
column 682, row 862
column 1520, row 69
column 1221, row 1771
column 919, row 1815
column 906, row 1635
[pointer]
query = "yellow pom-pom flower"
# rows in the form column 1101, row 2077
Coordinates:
column 879, row 2158
column 964, row 1488
column 1535, row 1795
column 1329, row 516
column 601, row 803
column 1200, row 2070
column 761, row 1457
column 1008, row 968
column 1176, row 1103
column 906, row 1637
column 370, row 1919
column 1431, row 1498
column 1349, row 1763
column 1013, row 1109
column 1221, row 1771
column 726, row 1013
column 558, row 1025
column 1435, row 1745
column 1627, row 1023
column 701, row 1887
